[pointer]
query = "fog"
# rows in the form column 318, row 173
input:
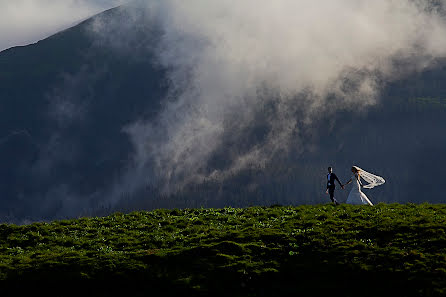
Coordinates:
column 228, row 60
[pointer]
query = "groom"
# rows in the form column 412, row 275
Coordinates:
column 331, row 177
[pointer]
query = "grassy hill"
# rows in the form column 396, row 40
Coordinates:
column 346, row 250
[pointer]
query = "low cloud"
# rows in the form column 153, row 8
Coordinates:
column 230, row 61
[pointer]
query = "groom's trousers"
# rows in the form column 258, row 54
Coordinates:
column 331, row 193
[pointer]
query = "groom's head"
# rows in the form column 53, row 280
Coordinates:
column 330, row 169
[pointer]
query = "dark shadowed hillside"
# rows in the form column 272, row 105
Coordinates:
column 65, row 101
column 71, row 96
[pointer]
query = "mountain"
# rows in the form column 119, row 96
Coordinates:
column 70, row 96
column 66, row 100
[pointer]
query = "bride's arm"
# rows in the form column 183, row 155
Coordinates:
column 358, row 177
column 349, row 181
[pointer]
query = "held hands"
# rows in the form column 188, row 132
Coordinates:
column 342, row 187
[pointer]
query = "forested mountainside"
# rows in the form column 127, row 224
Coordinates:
column 65, row 101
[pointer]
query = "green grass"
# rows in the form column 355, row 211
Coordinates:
column 256, row 251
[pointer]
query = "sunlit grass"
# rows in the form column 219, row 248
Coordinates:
column 264, row 247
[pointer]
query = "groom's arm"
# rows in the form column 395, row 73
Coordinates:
column 336, row 178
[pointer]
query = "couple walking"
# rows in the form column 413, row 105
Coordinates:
column 356, row 196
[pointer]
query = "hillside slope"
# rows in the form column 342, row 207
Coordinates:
column 66, row 100
column 257, row 251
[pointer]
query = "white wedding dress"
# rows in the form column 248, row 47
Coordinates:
column 356, row 196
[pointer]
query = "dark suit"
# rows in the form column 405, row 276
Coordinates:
column 331, row 178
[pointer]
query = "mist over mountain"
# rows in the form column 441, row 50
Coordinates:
column 214, row 104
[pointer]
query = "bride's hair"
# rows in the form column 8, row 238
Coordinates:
column 356, row 170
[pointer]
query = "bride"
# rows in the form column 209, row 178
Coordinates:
column 356, row 196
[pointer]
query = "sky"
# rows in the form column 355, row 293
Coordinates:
column 27, row 21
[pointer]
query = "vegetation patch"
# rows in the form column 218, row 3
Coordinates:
column 257, row 251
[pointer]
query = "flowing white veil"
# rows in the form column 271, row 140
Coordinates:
column 371, row 179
